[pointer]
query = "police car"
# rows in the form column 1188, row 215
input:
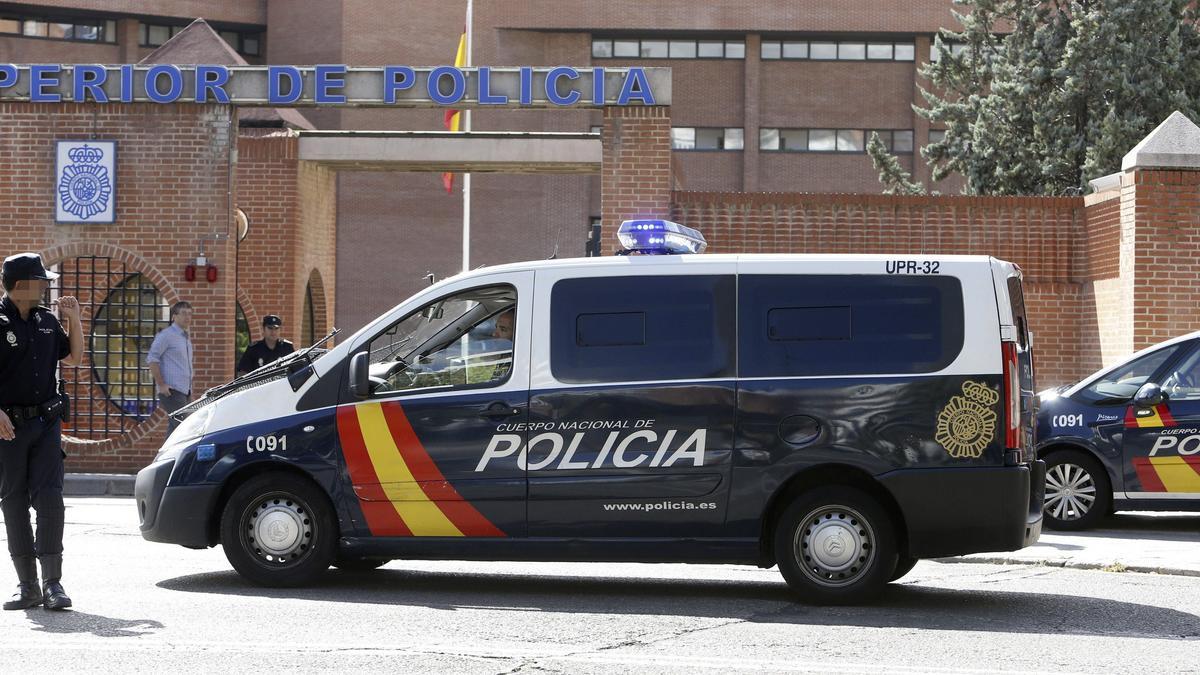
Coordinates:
column 838, row 416
column 1125, row 438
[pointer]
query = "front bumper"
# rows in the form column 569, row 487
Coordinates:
column 174, row 514
column 969, row 510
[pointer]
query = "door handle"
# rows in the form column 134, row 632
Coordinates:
column 499, row 409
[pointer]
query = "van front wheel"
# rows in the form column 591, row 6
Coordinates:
column 278, row 529
column 835, row 545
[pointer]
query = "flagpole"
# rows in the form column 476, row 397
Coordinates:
column 466, row 237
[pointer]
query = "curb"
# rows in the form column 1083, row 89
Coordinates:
column 1141, row 569
column 97, row 485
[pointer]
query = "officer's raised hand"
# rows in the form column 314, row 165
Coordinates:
column 7, row 433
column 68, row 307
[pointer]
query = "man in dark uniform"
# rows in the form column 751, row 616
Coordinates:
column 32, row 342
column 268, row 349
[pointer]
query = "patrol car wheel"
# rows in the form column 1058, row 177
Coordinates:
column 835, row 545
column 904, row 565
column 278, row 530
column 1078, row 492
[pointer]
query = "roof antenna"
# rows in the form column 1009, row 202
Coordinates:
column 429, row 277
column 555, row 254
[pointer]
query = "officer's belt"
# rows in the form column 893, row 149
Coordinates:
column 24, row 413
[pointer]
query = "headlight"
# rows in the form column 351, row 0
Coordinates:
column 190, row 429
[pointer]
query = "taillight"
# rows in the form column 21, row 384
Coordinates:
column 1012, row 396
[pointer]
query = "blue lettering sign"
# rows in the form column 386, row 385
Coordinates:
column 408, row 77
column 486, row 97
column 211, row 79
column 330, row 77
column 8, row 75
column 174, row 76
column 127, row 83
column 552, row 79
column 40, row 77
column 636, row 76
column 88, row 79
column 275, row 77
column 597, row 86
column 434, row 86
column 526, row 85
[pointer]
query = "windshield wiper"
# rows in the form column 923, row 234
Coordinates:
column 270, row 368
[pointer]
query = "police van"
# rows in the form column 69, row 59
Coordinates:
column 840, row 416
column 1124, row 438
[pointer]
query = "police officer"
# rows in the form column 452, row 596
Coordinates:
column 32, row 342
column 268, row 349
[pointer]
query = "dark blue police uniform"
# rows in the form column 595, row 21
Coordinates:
column 31, row 464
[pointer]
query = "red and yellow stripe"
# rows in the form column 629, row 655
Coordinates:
column 1172, row 473
column 401, row 491
column 1160, row 416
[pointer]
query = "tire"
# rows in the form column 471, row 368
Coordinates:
column 855, row 536
column 359, row 564
column 904, row 565
column 291, row 513
column 1078, row 491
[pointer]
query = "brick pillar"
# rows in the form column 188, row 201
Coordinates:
column 635, row 175
column 752, row 96
column 1160, row 221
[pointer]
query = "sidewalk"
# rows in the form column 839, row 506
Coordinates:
column 1160, row 543
column 1157, row 543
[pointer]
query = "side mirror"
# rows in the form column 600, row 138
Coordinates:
column 1149, row 396
column 360, row 381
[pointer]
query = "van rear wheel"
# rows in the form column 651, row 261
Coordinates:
column 1078, row 492
column 278, row 529
column 835, row 545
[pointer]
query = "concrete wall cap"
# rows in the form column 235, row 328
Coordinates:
column 1174, row 144
column 1109, row 182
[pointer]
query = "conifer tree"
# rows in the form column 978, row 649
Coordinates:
column 895, row 180
column 1040, row 97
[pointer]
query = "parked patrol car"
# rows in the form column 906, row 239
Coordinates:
column 1125, row 438
column 839, row 416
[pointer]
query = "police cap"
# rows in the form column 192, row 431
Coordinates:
column 25, row 267
column 270, row 321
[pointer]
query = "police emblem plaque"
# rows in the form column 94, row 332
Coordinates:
column 968, row 422
column 85, row 173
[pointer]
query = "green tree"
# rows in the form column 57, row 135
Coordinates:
column 1040, row 97
column 895, row 180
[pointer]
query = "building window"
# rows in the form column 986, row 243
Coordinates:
column 956, row 49
column 122, row 330
column 629, row 48
column 827, row 50
column 693, row 138
column 899, row 141
column 155, row 35
column 937, row 135
column 74, row 29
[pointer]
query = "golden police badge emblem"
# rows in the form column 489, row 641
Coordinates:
column 968, row 423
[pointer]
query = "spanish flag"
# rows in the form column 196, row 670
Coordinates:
column 453, row 118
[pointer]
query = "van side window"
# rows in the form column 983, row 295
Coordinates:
column 464, row 340
column 632, row 329
column 804, row 325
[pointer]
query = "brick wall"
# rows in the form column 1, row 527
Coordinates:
column 173, row 170
column 291, row 206
column 1043, row 235
column 636, row 166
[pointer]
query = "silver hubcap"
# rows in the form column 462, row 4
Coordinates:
column 1070, row 491
column 834, row 545
column 279, row 530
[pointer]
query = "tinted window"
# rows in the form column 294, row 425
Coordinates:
column 633, row 329
column 793, row 325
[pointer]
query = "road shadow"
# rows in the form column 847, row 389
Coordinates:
column 1181, row 527
column 901, row 605
column 71, row 622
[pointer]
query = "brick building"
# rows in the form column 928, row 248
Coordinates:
column 770, row 97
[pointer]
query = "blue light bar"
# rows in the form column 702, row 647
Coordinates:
column 660, row 237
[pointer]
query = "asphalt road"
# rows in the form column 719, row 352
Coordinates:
column 142, row 607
